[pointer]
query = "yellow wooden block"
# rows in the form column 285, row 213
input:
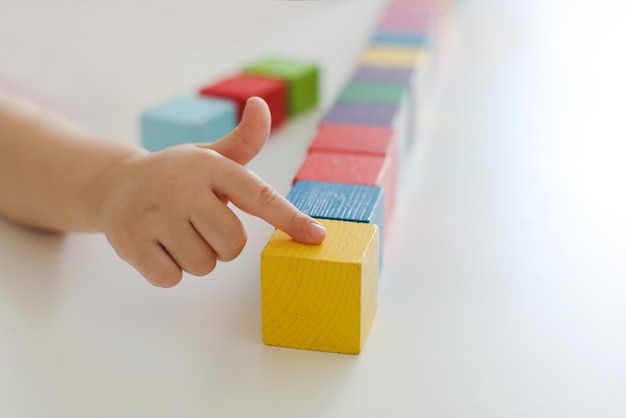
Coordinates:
column 395, row 56
column 321, row 297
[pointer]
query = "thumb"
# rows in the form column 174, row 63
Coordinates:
column 247, row 139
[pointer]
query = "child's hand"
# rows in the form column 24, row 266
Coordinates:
column 166, row 212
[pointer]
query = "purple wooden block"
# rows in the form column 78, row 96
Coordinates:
column 384, row 74
column 362, row 114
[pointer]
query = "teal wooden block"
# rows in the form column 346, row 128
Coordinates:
column 186, row 119
column 341, row 201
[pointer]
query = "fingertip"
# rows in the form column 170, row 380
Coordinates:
column 316, row 232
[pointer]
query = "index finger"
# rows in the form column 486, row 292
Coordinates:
column 253, row 195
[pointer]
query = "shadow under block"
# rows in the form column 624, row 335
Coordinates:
column 321, row 297
column 341, row 202
column 239, row 88
column 361, row 169
column 186, row 119
column 301, row 78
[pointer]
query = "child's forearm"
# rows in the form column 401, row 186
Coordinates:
column 51, row 170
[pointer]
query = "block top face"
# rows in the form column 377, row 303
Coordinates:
column 243, row 86
column 348, row 202
column 377, row 140
column 345, row 242
column 372, row 92
column 383, row 74
column 282, row 67
column 343, row 168
column 192, row 110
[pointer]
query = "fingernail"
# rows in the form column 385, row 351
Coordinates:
column 316, row 230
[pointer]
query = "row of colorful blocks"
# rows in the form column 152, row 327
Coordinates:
column 325, row 297
column 289, row 85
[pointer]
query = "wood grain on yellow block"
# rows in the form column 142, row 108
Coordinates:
column 395, row 56
column 321, row 297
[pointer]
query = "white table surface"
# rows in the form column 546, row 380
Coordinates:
column 504, row 289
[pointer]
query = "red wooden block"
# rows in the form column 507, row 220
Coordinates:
column 358, row 139
column 239, row 88
column 341, row 167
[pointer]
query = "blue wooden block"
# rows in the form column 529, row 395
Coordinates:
column 341, row 201
column 400, row 39
column 187, row 119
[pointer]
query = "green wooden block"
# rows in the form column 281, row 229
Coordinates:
column 301, row 77
column 373, row 93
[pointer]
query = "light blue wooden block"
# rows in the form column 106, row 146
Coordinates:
column 401, row 39
column 186, row 119
column 341, row 201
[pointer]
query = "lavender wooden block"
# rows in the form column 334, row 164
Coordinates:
column 362, row 114
column 390, row 75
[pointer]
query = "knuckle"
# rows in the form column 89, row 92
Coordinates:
column 266, row 195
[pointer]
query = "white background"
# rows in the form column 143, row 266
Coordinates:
column 504, row 288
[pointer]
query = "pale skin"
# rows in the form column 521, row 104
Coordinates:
column 164, row 212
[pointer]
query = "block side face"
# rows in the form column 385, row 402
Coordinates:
column 311, row 304
column 304, row 92
column 348, row 202
column 219, row 127
column 194, row 111
column 369, row 290
column 157, row 134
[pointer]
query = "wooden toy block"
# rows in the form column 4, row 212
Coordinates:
column 186, row 119
column 355, row 139
column 382, row 74
column 399, row 118
column 395, row 37
column 301, row 78
column 361, row 114
column 373, row 93
column 409, row 77
column 321, row 297
column 337, row 167
column 342, row 202
column 409, row 18
column 239, row 88
column 395, row 56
